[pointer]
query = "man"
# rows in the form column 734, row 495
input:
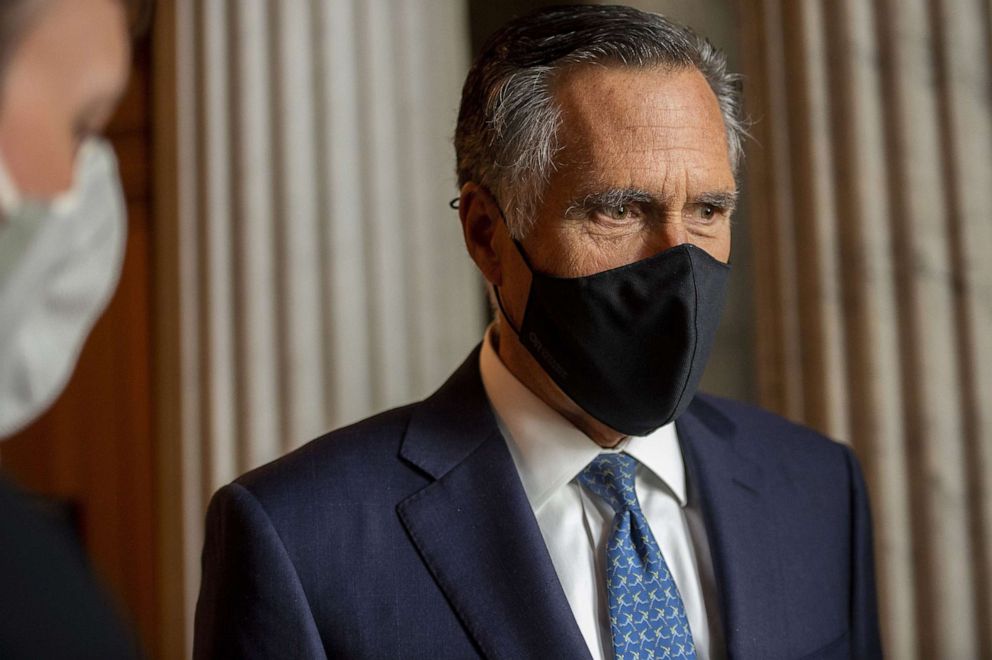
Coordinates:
column 63, row 67
column 565, row 493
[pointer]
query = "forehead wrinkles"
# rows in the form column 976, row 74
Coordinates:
column 609, row 115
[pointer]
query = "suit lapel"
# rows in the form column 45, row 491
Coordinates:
column 476, row 532
column 741, row 532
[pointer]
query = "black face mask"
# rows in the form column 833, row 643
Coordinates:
column 629, row 344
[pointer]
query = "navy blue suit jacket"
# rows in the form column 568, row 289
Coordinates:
column 409, row 535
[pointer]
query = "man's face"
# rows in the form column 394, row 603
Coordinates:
column 643, row 167
column 61, row 85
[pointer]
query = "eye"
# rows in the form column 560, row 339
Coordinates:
column 706, row 213
column 619, row 212
column 622, row 212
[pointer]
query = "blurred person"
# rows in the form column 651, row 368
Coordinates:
column 64, row 65
column 566, row 493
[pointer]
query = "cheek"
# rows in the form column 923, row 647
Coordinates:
column 572, row 251
column 593, row 253
column 724, row 243
column 718, row 246
column 595, row 257
column 37, row 140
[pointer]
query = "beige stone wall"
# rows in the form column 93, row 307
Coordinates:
column 871, row 208
column 310, row 270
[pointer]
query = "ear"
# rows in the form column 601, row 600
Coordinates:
column 481, row 222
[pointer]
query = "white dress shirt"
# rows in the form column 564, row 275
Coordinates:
column 549, row 452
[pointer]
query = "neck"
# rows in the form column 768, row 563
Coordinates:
column 525, row 368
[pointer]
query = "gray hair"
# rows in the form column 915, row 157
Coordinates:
column 506, row 139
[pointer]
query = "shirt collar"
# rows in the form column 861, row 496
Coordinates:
column 549, row 451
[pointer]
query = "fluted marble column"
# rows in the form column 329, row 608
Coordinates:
column 870, row 181
column 310, row 271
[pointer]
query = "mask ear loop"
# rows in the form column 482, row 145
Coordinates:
column 454, row 204
column 502, row 309
column 523, row 255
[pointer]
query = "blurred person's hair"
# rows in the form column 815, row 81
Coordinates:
column 16, row 17
column 508, row 123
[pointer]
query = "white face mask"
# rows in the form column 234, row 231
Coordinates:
column 59, row 265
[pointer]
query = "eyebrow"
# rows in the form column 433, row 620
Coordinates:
column 614, row 197
column 610, row 198
column 726, row 200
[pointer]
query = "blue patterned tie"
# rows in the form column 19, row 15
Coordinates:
column 647, row 617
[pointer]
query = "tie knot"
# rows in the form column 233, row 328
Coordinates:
column 611, row 477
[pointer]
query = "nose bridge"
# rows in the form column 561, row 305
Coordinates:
column 671, row 231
